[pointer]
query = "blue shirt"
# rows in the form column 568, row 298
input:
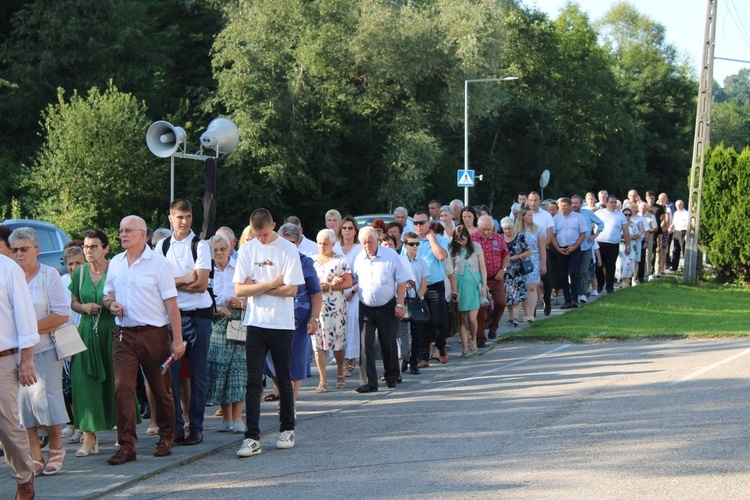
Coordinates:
column 568, row 229
column 591, row 218
column 437, row 267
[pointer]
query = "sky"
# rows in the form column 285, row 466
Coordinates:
column 685, row 22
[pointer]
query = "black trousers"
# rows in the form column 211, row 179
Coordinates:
column 679, row 247
column 547, row 279
column 437, row 329
column 606, row 273
column 568, row 266
column 383, row 320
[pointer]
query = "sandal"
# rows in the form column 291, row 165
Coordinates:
column 54, row 462
column 41, row 466
column 465, row 354
column 322, row 387
column 340, row 382
column 351, row 366
column 152, row 431
column 271, row 397
column 75, row 438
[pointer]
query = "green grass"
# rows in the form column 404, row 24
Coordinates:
column 664, row 308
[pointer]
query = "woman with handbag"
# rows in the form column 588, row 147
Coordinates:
column 92, row 371
column 42, row 404
column 515, row 279
column 536, row 239
column 227, row 359
column 471, row 283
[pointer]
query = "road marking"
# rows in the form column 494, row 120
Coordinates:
column 503, row 367
column 711, row 367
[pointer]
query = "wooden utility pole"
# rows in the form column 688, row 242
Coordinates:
column 692, row 267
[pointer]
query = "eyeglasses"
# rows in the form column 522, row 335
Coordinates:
column 91, row 247
column 420, row 222
column 128, row 230
column 220, row 249
column 627, row 215
column 21, row 249
column 412, row 243
column 347, row 228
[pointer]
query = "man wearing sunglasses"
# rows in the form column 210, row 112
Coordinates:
column 433, row 249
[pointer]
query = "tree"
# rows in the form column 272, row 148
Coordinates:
column 93, row 168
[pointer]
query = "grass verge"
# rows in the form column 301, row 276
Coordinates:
column 664, row 308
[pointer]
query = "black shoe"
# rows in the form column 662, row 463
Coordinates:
column 404, row 366
column 391, row 385
column 547, row 308
column 567, row 305
column 145, row 411
column 414, row 370
column 43, row 441
column 574, row 305
column 179, row 436
column 492, row 334
column 195, row 437
column 481, row 344
column 399, row 379
column 362, row 389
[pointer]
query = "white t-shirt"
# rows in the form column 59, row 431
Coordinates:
column 308, row 247
column 543, row 219
column 180, row 257
column 614, row 223
column 262, row 263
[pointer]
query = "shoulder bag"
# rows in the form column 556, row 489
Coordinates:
column 235, row 331
column 527, row 266
column 483, row 301
column 67, row 340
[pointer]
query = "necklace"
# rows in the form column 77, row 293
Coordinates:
column 91, row 270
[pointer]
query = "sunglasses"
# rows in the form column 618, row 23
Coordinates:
column 91, row 247
column 627, row 214
column 20, row 249
column 347, row 228
column 420, row 222
column 412, row 243
column 128, row 230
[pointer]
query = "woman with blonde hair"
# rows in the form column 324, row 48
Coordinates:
column 536, row 240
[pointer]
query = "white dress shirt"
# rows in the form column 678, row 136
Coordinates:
column 379, row 276
column 180, row 256
column 17, row 316
column 223, row 285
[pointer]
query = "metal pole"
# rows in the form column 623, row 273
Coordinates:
column 466, row 138
column 171, row 179
column 691, row 269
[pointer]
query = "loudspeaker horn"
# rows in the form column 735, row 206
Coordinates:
column 222, row 135
column 163, row 139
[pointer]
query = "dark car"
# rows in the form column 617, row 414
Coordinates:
column 52, row 239
column 367, row 220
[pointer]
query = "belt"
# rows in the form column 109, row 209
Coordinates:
column 8, row 352
column 137, row 329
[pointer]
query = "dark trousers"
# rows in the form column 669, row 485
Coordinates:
column 437, row 329
column 679, row 245
column 642, row 263
column 147, row 349
column 497, row 289
column 606, row 273
column 259, row 342
column 584, row 265
column 547, row 278
column 417, row 332
column 197, row 333
column 568, row 265
column 384, row 320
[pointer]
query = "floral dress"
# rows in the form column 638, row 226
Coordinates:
column 515, row 282
column 331, row 332
column 625, row 265
column 532, row 240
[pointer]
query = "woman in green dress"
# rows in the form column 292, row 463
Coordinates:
column 92, row 372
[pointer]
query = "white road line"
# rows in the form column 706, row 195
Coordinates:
column 711, row 367
column 503, row 367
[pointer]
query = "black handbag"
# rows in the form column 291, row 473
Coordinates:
column 527, row 266
column 416, row 310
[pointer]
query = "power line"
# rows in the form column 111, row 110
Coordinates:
column 737, row 19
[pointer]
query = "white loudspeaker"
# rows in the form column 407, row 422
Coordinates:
column 163, row 139
column 222, row 135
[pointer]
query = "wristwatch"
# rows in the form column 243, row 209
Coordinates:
column 400, row 305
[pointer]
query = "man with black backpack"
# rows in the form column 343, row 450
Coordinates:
column 190, row 258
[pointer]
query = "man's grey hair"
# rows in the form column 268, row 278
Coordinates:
column 447, row 208
column 458, row 203
column 229, row 232
column 485, row 218
column 222, row 238
column 516, row 207
column 400, row 210
column 138, row 222
column 160, row 234
column 24, row 233
column 292, row 230
column 366, row 232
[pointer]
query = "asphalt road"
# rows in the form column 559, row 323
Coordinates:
column 523, row 420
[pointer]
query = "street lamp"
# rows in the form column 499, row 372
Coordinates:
column 466, row 122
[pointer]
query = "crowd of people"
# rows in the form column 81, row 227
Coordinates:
column 177, row 323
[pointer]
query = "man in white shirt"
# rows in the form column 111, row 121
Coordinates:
column 18, row 333
column 307, row 246
column 382, row 276
column 615, row 227
column 190, row 258
column 678, row 229
column 543, row 219
column 140, row 291
column 569, row 232
column 268, row 273
column 401, row 215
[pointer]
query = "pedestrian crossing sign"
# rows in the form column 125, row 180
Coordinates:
column 465, row 178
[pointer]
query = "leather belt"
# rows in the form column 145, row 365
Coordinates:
column 8, row 352
column 137, row 329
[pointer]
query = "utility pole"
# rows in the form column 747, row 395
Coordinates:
column 692, row 267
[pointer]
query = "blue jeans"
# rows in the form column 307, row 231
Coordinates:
column 197, row 333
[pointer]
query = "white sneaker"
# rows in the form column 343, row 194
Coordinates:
column 286, row 440
column 651, row 278
column 582, row 299
column 239, row 427
column 249, row 448
column 594, row 293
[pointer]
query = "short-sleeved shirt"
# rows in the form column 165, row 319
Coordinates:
column 379, row 276
column 494, row 249
column 590, row 217
column 262, row 263
column 180, row 257
column 543, row 219
column 568, row 229
column 420, row 270
column 659, row 214
column 614, row 223
column 437, row 267
column 141, row 288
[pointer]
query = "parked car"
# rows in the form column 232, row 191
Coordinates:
column 52, row 239
column 366, row 220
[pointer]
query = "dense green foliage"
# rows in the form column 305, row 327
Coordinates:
column 725, row 214
column 356, row 105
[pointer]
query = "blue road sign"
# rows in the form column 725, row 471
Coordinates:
column 465, row 178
